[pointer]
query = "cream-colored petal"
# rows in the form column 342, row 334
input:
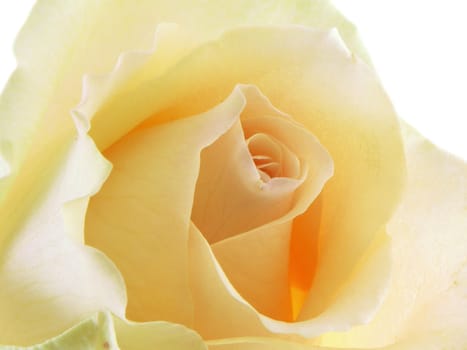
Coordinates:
column 257, row 264
column 108, row 332
column 156, row 335
column 311, row 76
column 93, row 333
column 426, row 305
column 64, row 40
column 255, row 344
column 49, row 281
column 140, row 218
column 48, row 152
column 229, row 197
column 248, row 221
column 212, row 292
column 356, row 301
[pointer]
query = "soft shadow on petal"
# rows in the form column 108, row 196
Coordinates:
column 248, row 221
column 140, row 218
column 168, row 45
column 256, row 344
column 106, row 331
column 212, row 292
column 51, row 64
column 426, row 306
column 310, row 75
column 95, row 332
column 155, row 335
column 230, row 196
column 48, row 279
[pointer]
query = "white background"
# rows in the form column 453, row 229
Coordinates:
column 419, row 48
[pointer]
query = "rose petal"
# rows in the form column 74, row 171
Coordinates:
column 310, row 75
column 213, row 292
column 47, row 82
column 256, row 344
column 156, row 335
column 92, row 333
column 249, row 222
column 427, row 297
column 106, row 331
column 230, row 198
column 50, row 281
column 140, row 218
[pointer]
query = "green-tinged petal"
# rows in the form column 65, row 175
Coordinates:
column 104, row 331
column 156, row 335
column 94, row 333
column 426, row 307
column 49, row 279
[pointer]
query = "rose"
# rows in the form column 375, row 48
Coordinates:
column 188, row 84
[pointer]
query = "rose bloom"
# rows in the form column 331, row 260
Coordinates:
column 219, row 175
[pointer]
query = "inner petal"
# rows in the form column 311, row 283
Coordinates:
column 247, row 196
column 266, row 154
column 236, row 192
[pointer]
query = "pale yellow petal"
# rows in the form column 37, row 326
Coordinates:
column 140, row 218
column 247, row 221
column 426, row 306
column 93, row 333
column 64, row 40
column 213, row 292
column 230, row 196
column 49, row 280
column 255, row 344
column 357, row 299
column 312, row 77
column 257, row 264
column 156, row 335
column 106, row 331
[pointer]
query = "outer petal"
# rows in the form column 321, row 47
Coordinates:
column 213, row 292
column 255, row 344
column 108, row 332
column 48, row 280
column 141, row 216
column 156, row 335
column 427, row 304
column 311, row 76
column 91, row 35
column 93, row 333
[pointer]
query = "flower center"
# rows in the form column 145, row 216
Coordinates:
column 271, row 158
column 243, row 183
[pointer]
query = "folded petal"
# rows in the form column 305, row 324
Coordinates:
column 311, row 76
column 95, row 332
column 426, row 305
column 255, row 344
column 106, row 331
column 49, row 279
column 247, row 220
column 141, row 216
column 155, row 335
column 212, row 292
column 52, row 63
